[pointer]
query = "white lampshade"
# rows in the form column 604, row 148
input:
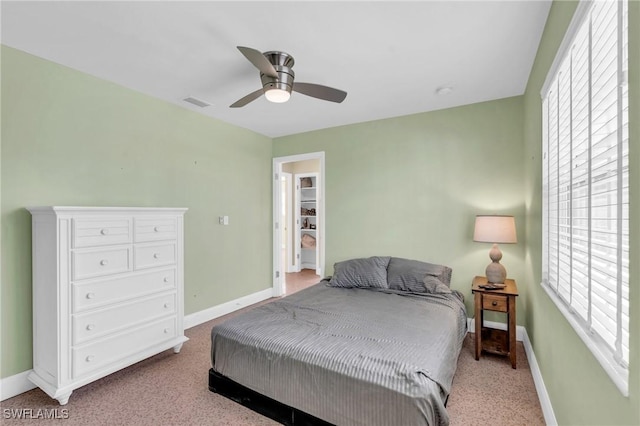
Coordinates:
column 277, row 95
column 495, row 229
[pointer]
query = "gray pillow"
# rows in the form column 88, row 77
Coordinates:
column 361, row 273
column 409, row 275
column 433, row 285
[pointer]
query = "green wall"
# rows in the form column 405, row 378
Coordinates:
column 411, row 186
column 407, row 186
column 72, row 139
column 580, row 390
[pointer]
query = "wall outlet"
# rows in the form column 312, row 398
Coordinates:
column 223, row 220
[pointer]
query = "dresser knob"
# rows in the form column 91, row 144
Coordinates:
column 90, row 358
column 156, row 229
column 166, row 331
column 156, row 255
column 166, row 305
column 165, row 279
column 91, row 295
column 104, row 231
column 103, row 262
column 90, row 327
column 494, row 303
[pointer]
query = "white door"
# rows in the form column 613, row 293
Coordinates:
column 286, row 218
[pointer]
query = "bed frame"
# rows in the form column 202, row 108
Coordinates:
column 261, row 404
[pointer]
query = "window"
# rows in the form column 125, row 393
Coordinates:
column 586, row 183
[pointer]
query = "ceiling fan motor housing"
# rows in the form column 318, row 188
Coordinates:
column 282, row 62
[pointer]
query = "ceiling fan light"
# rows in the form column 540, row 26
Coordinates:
column 277, row 95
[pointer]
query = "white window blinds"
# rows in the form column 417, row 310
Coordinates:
column 586, row 182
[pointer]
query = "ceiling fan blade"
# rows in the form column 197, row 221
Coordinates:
column 320, row 92
column 249, row 98
column 259, row 61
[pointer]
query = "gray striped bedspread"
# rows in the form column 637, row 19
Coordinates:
column 348, row 356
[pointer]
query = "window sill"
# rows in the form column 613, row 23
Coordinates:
column 618, row 374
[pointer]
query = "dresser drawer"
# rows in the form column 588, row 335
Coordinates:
column 97, row 263
column 155, row 229
column 98, row 293
column 494, row 303
column 93, row 356
column 149, row 256
column 103, row 321
column 90, row 232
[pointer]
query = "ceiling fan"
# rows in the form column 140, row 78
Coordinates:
column 277, row 79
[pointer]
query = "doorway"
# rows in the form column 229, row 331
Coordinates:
column 298, row 216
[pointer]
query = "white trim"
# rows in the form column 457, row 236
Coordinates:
column 614, row 371
column 578, row 18
column 279, row 282
column 289, row 263
column 15, row 385
column 471, row 326
column 522, row 336
column 543, row 395
column 19, row 383
column 214, row 312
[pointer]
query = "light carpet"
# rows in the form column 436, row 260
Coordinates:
column 172, row 389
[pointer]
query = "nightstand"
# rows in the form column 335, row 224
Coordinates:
column 492, row 340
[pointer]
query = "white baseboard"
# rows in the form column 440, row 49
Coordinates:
column 19, row 383
column 520, row 331
column 15, row 385
column 543, row 396
column 522, row 336
column 214, row 312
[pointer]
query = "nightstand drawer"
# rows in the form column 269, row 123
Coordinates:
column 494, row 303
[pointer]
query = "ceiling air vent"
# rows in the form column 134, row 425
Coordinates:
column 197, row 102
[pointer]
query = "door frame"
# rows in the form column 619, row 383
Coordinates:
column 279, row 276
column 289, row 263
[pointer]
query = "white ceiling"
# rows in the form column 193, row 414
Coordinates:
column 390, row 56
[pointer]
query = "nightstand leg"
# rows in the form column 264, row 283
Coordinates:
column 478, row 321
column 512, row 331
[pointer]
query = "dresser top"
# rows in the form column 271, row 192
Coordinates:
column 102, row 210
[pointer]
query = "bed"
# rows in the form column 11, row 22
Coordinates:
column 376, row 344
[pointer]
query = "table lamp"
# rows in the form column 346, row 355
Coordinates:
column 495, row 229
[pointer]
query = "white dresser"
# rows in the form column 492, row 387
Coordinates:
column 107, row 291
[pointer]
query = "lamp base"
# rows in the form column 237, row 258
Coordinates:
column 496, row 273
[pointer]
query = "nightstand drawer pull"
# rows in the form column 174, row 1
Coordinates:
column 494, row 303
